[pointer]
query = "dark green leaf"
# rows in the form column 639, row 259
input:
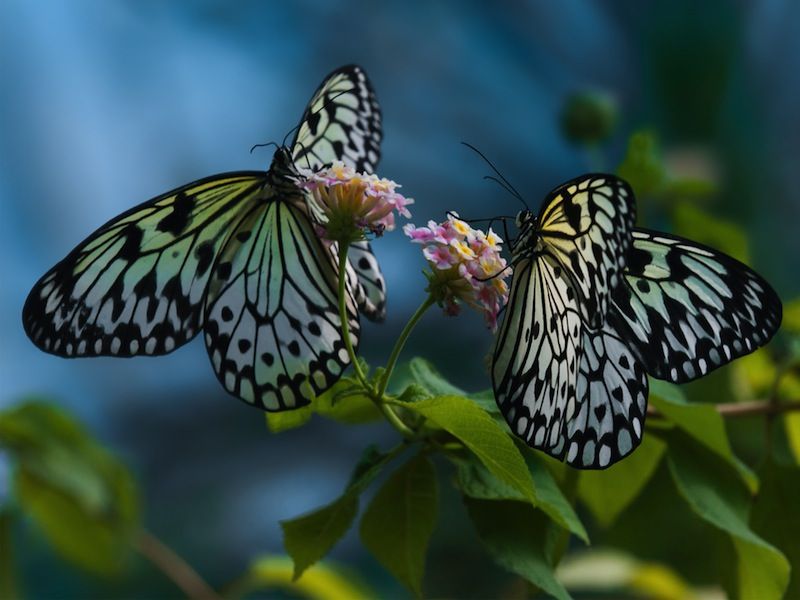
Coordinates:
column 81, row 496
column 701, row 421
column 485, row 399
column 309, row 537
column 426, row 375
column 518, row 539
column 716, row 494
column 776, row 518
column 399, row 522
column 470, row 424
column 607, row 493
column 475, row 481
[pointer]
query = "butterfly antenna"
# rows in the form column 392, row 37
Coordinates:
column 510, row 188
column 263, row 145
column 490, row 277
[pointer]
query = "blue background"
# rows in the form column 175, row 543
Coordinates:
column 106, row 104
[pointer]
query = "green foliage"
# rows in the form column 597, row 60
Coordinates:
column 9, row 588
column 714, row 492
column 775, row 517
column 473, row 427
column 696, row 224
column 520, row 539
column 310, row 537
column 83, row 499
column 323, row 581
column 607, row 493
column 700, row 421
column 398, row 523
column 642, row 167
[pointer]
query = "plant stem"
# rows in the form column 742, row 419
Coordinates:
column 174, row 567
column 401, row 341
column 744, row 409
column 348, row 344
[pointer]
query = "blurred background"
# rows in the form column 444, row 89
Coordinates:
column 106, row 104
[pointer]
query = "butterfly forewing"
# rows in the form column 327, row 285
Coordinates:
column 273, row 331
column 136, row 285
column 586, row 224
column 686, row 309
column 342, row 122
column 535, row 364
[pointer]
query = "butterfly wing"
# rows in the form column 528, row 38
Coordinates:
column 605, row 418
column 273, row 331
column 686, row 309
column 136, row 285
column 535, row 361
column 586, row 225
column 371, row 283
column 342, row 122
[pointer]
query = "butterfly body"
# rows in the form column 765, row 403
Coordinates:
column 597, row 305
column 234, row 255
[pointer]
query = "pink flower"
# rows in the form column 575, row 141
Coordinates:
column 466, row 266
column 349, row 204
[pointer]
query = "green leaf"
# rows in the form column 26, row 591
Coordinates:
column 470, row 424
column 475, row 481
column 702, row 422
column 642, row 167
column 309, row 537
column 485, row 399
column 791, row 316
column 398, row 523
column 426, row 375
column 288, row 419
column 609, row 492
column 775, row 516
column 323, row 581
column 81, row 496
column 696, row 224
column 352, row 409
column 413, row 392
column 517, row 537
column 714, row 493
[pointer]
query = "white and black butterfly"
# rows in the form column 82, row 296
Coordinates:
column 596, row 305
column 235, row 256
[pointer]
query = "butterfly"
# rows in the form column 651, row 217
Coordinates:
column 596, row 305
column 233, row 255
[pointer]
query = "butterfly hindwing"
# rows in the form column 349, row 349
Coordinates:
column 342, row 122
column 273, row 331
column 586, row 224
column 686, row 309
column 605, row 418
column 371, row 295
column 136, row 285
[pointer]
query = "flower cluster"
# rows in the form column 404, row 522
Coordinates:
column 465, row 266
column 352, row 203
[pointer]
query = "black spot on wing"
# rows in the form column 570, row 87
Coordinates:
column 177, row 219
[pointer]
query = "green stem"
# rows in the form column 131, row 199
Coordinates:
column 348, row 344
column 401, row 341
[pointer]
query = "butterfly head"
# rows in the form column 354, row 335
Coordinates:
column 282, row 171
column 527, row 234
